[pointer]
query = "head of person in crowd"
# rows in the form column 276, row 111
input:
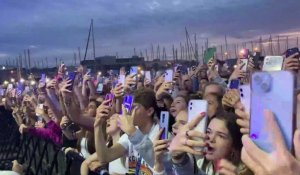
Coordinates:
column 92, row 107
column 203, row 82
column 112, row 125
column 214, row 101
column 179, row 103
column 224, row 139
column 145, row 106
column 187, row 83
column 213, row 88
column 180, row 120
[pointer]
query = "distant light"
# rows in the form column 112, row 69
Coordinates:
column 235, row 66
column 12, row 80
column 22, row 80
column 47, row 80
column 142, row 72
column 3, row 67
column 256, row 49
column 5, row 82
column 226, row 53
column 242, row 51
column 11, row 71
column 32, row 82
column 99, row 73
column 139, row 68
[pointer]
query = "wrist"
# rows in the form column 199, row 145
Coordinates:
column 131, row 131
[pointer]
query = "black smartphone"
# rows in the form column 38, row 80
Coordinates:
column 292, row 51
column 72, row 76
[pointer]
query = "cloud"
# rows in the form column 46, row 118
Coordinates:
column 57, row 28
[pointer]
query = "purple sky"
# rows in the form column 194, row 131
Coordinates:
column 56, row 28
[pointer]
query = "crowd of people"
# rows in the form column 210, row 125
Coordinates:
column 113, row 124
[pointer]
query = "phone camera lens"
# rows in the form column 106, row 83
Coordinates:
column 241, row 90
column 242, row 95
column 191, row 108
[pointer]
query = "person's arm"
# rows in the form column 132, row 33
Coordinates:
column 105, row 154
column 84, row 169
column 75, row 113
column 144, row 146
column 83, row 100
column 92, row 88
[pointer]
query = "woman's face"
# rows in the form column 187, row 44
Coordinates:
column 181, row 119
column 112, row 125
column 213, row 105
column 92, row 108
column 219, row 141
column 178, row 105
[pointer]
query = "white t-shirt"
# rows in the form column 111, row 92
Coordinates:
column 84, row 148
column 8, row 173
column 133, row 155
column 117, row 167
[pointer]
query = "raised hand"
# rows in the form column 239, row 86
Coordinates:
column 291, row 63
column 118, row 91
column 279, row 161
column 160, row 148
column 187, row 138
column 125, row 121
column 102, row 113
column 231, row 98
column 164, row 89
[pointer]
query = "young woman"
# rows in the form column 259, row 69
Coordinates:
column 222, row 143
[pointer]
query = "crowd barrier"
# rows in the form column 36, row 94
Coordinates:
column 38, row 156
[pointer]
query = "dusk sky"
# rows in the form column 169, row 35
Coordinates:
column 56, row 28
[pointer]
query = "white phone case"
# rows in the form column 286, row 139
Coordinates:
column 245, row 95
column 195, row 108
column 148, row 75
column 244, row 64
column 164, row 123
column 169, row 75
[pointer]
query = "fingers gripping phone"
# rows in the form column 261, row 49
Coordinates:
column 273, row 91
column 164, row 124
column 273, row 63
column 195, row 108
column 110, row 97
column 244, row 64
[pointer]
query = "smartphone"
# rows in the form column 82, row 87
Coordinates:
column 20, row 88
column 195, row 84
column 89, row 71
column 273, row 91
column 121, row 79
column 43, row 78
column 134, row 71
column 99, row 89
column 164, row 124
column 110, row 97
column 169, row 75
column 196, row 107
column 128, row 102
column 234, row 84
column 72, row 76
column 245, row 96
column 273, row 63
column 292, row 51
column 148, row 75
column 10, row 86
column 243, row 64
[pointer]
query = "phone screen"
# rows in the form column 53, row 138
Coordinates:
column 292, row 51
column 273, row 63
column 234, row 84
column 128, row 102
column 164, row 124
column 43, row 78
column 99, row 88
column 72, row 76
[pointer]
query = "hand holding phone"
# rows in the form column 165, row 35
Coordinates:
column 196, row 107
column 72, row 77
